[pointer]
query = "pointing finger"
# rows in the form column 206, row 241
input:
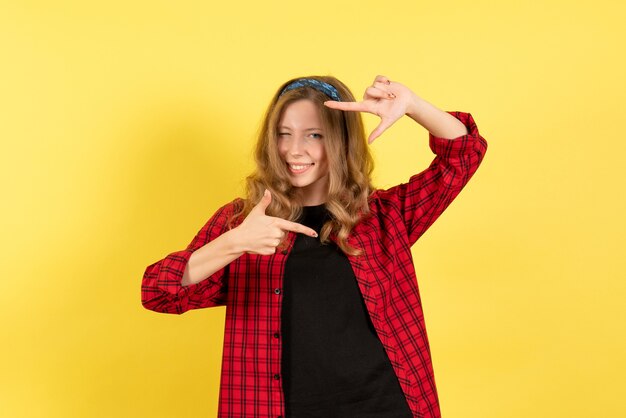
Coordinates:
column 350, row 106
column 294, row 227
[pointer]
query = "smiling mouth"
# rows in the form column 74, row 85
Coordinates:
column 299, row 168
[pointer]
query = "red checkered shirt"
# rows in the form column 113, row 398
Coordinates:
column 251, row 286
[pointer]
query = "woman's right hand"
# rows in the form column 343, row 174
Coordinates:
column 261, row 234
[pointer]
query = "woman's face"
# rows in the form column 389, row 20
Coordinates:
column 301, row 147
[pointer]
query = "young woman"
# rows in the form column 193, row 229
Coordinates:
column 323, row 312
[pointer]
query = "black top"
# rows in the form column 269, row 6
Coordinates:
column 333, row 363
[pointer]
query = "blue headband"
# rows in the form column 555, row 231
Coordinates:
column 325, row 88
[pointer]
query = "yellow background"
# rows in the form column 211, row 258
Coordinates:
column 125, row 124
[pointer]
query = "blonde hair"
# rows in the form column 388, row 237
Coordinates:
column 349, row 160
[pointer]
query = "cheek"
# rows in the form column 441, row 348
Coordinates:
column 280, row 147
column 322, row 154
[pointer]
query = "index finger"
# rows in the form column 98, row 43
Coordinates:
column 294, row 227
column 351, row 106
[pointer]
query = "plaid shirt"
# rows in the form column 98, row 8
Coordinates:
column 251, row 286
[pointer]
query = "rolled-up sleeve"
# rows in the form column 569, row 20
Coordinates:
column 161, row 288
column 427, row 194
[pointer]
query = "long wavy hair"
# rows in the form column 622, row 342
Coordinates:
column 349, row 160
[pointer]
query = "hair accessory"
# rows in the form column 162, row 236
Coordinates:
column 325, row 88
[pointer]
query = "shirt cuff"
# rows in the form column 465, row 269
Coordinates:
column 460, row 145
column 172, row 270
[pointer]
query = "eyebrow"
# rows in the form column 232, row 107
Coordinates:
column 306, row 130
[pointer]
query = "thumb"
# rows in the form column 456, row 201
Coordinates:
column 265, row 201
column 382, row 127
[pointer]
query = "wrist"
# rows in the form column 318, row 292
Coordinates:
column 234, row 243
column 416, row 107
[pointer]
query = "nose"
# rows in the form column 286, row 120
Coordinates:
column 296, row 146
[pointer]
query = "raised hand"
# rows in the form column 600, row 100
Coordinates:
column 261, row 234
column 386, row 99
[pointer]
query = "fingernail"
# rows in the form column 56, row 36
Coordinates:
column 315, row 234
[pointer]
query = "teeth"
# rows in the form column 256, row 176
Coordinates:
column 299, row 167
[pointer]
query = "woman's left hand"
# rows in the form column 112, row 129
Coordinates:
column 386, row 99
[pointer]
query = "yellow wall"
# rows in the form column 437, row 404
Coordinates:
column 125, row 124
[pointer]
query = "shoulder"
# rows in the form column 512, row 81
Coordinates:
column 231, row 212
column 381, row 206
column 382, row 201
column 233, row 206
column 224, row 216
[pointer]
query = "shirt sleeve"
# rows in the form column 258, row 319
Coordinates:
column 161, row 289
column 428, row 194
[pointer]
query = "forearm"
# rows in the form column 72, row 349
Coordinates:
column 438, row 122
column 211, row 257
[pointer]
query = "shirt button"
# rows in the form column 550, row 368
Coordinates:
column 284, row 252
column 277, row 291
column 276, row 335
column 276, row 376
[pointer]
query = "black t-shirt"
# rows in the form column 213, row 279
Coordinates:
column 333, row 363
